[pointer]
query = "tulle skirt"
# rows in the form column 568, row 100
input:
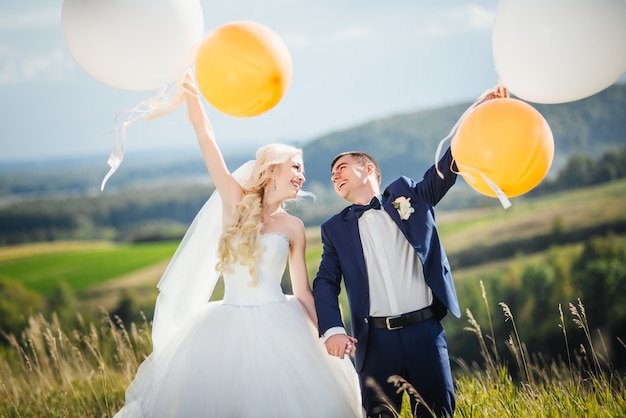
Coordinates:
column 239, row 361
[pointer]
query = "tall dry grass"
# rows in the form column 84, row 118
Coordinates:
column 584, row 386
column 52, row 372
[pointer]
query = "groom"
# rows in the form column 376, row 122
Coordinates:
column 397, row 279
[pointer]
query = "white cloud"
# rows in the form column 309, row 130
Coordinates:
column 349, row 34
column 50, row 65
column 31, row 45
column 53, row 65
column 298, row 40
column 8, row 66
column 30, row 19
column 472, row 16
column 469, row 17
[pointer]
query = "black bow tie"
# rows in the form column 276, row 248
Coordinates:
column 360, row 209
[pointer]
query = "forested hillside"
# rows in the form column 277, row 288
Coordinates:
column 403, row 143
column 152, row 213
column 157, row 199
column 406, row 144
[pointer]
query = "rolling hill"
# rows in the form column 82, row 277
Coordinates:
column 402, row 144
column 157, row 200
column 406, row 144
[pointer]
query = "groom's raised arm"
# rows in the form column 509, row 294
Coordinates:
column 432, row 188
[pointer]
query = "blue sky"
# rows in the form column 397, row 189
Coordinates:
column 353, row 61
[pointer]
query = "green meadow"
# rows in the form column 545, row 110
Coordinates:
column 81, row 265
column 529, row 226
column 518, row 271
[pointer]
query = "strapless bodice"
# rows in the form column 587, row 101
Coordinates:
column 239, row 288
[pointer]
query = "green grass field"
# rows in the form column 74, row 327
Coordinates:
column 565, row 211
column 51, row 371
column 83, row 265
column 80, row 265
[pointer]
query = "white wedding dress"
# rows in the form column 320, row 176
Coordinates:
column 253, row 354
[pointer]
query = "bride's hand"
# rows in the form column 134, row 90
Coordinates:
column 194, row 106
column 351, row 347
column 191, row 91
column 339, row 345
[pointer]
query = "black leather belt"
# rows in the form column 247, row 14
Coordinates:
column 401, row 321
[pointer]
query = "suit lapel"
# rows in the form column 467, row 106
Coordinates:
column 391, row 210
column 352, row 230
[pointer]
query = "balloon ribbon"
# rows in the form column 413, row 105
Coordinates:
column 165, row 101
column 497, row 92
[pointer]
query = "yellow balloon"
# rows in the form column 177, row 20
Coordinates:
column 507, row 141
column 243, row 69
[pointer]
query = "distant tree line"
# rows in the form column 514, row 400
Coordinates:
column 539, row 293
column 152, row 214
column 131, row 215
column 584, row 170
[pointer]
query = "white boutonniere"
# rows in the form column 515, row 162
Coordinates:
column 403, row 205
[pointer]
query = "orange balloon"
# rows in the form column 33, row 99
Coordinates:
column 243, row 69
column 506, row 140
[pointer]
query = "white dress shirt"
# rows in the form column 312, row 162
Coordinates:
column 396, row 280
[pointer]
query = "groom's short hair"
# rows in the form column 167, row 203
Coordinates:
column 363, row 158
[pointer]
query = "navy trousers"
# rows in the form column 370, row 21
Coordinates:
column 419, row 354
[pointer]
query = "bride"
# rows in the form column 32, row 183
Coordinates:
column 256, row 352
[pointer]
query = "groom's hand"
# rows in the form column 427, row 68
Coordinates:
column 339, row 345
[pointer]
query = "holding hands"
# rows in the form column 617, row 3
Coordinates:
column 339, row 345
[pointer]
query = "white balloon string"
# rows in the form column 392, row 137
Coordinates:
column 165, row 101
column 117, row 154
column 449, row 136
column 504, row 200
column 498, row 91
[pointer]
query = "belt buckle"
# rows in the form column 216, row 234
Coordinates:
column 389, row 327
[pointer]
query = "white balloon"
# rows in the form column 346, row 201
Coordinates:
column 557, row 51
column 133, row 45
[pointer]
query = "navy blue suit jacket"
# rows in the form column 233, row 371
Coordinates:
column 343, row 257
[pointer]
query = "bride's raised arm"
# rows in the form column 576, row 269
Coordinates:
column 229, row 189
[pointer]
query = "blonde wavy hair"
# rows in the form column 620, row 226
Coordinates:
column 240, row 240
